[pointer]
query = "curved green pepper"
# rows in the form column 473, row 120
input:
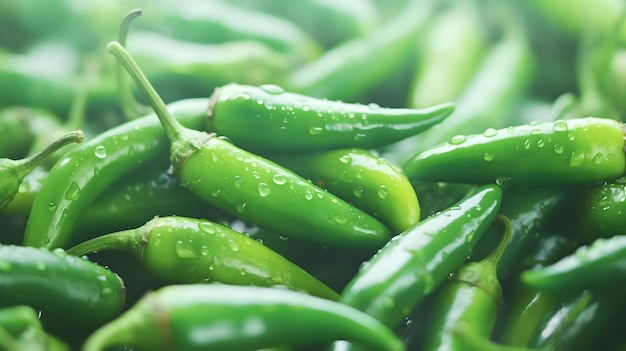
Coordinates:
column 363, row 179
column 252, row 188
column 267, row 118
column 187, row 250
column 598, row 265
column 415, row 262
column 210, row 316
column 581, row 150
column 75, row 295
column 471, row 297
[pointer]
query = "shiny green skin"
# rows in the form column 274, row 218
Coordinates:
column 575, row 151
column 363, row 179
column 223, row 317
column 471, row 298
column 348, row 70
column 187, row 250
column 261, row 192
column 74, row 294
column 138, row 197
column 88, row 170
column 603, row 211
column 412, row 264
column 268, row 118
column 599, row 265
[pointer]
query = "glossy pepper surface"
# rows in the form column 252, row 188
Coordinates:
column 600, row 264
column 358, row 176
column 413, row 263
column 251, row 187
column 87, row 171
column 201, row 317
column 574, row 151
column 189, row 250
column 292, row 122
column 471, row 297
column 602, row 211
column 74, row 294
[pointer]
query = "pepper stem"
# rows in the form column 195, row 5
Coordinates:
column 131, row 241
column 24, row 166
column 130, row 106
column 172, row 127
column 496, row 254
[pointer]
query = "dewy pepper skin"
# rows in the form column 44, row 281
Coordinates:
column 294, row 122
column 188, row 250
column 574, row 151
column 253, row 188
column 413, row 263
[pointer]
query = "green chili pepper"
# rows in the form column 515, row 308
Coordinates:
column 529, row 309
column 363, row 179
column 74, row 294
column 138, row 197
column 22, row 325
column 343, row 20
column 253, row 188
column 582, row 150
column 220, row 22
column 471, row 297
column 188, row 250
column 594, row 320
column 87, row 171
column 532, row 212
column 15, row 137
column 437, row 196
column 188, row 70
column 472, row 341
column 348, row 70
column 413, row 263
column 485, row 100
column 201, row 317
column 598, row 265
column 602, row 211
column 12, row 172
column 450, row 53
column 293, row 122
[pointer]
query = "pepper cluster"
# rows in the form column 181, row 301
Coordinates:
column 312, row 175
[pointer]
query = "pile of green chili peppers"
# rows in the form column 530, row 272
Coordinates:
column 312, row 175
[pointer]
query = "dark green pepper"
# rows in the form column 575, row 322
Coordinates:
column 21, row 324
column 351, row 68
column 413, row 263
column 253, row 188
column 291, row 122
column 471, row 297
column 363, row 179
column 187, row 250
column 74, row 294
column 12, row 172
column 210, row 316
column 595, row 266
column 582, row 150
